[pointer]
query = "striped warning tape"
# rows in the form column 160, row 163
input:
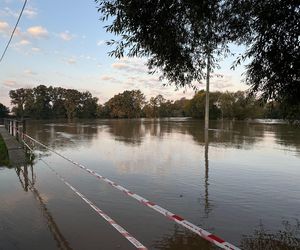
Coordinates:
column 178, row 219
column 119, row 228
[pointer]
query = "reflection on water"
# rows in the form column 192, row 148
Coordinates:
column 127, row 131
column 225, row 180
column 133, row 132
column 287, row 238
column 208, row 206
column 181, row 239
column 27, row 181
column 60, row 135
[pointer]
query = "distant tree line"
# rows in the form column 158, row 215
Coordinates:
column 224, row 105
column 44, row 102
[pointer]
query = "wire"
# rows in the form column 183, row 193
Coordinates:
column 12, row 34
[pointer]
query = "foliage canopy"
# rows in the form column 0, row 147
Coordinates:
column 177, row 36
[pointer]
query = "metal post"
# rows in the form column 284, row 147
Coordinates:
column 207, row 94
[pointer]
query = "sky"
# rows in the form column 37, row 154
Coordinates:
column 62, row 43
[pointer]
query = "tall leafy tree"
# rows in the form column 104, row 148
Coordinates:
column 57, row 102
column 128, row 104
column 183, row 39
column 88, row 105
column 18, row 98
column 271, row 31
column 42, row 108
column 71, row 102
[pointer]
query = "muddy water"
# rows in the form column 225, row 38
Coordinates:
column 242, row 184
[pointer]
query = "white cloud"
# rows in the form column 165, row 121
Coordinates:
column 66, row 36
column 71, row 61
column 132, row 65
column 9, row 83
column 30, row 12
column 37, row 31
column 100, row 42
column 29, row 72
column 221, row 82
column 4, row 27
column 23, row 42
column 8, row 12
column 107, row 78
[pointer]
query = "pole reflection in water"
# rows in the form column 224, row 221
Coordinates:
column 28, row 184
column 207, row 206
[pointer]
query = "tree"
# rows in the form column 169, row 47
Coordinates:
column 272, row 31
column 71, row 100
column 196, row 106
column 88, row 105
column 57, row 101
column 18, row 98
column 3, row 111
column 128, row 104
column 166, row 109
column 180, row 38
column 226, row 102
column 42, row 108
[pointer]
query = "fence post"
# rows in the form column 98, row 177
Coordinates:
column 14, row 127
column 17, row 130
column 23, row 128
column 10, row 127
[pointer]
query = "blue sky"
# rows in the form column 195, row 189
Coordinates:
column 62, row 43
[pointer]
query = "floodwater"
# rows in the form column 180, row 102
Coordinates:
column 242, row 185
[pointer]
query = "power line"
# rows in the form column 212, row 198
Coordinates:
column 12, row 34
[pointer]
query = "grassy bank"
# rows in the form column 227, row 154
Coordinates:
column 4, row 160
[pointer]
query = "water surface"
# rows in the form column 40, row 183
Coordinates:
column 243, row 185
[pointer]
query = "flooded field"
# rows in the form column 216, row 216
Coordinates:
column 243, row 185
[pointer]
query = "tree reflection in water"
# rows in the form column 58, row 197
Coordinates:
column 286, row 239
column 182, row 239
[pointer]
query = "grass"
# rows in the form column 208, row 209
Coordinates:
column 4, row 160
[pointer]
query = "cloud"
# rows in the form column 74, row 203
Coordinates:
column 4, row 27
column 38, row 31
column 221, row 82
column 100, row 42
column 66, row 36
column 132, row 65
column 120, row 66
column 8, row 12
column 107, row 78
column 29, row 72
column 30, row 12
column 9, row 83
column 23, row 42
column 71, row 61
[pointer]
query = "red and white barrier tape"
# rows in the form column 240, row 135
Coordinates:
column 178, row 219
column 119, row 228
